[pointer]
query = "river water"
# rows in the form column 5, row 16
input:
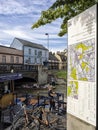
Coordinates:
column 60, row 87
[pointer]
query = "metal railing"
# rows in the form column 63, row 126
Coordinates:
column 6, row 68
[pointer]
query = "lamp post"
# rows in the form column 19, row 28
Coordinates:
column 47, row 40
column 12, row 81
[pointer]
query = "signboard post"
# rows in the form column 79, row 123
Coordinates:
column 81, row 86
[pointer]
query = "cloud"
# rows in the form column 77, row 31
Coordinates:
column 17, row 17
column 5, row 45
column 22, row 7
column 14, row 7
column 18, row 33
column 51, row 29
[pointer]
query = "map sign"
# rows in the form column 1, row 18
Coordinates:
column 82, row 64
column 81, row 86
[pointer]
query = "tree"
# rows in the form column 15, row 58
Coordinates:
column 64, row 9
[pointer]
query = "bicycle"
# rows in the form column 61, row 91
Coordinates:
column 36, row 119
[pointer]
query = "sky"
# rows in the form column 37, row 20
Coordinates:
column 17, row 18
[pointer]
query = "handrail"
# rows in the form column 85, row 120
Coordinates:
column 6, row 68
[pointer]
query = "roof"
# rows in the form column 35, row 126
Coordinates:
column 63, row 57
column 31, row 44
column 9, row 50
column 52, row 57
column 8, row 47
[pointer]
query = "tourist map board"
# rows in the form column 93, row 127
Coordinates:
column 81, row 86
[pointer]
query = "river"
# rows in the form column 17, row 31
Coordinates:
column 60, row 87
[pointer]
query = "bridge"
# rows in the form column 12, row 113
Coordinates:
column 29, row 72
column 12, row 75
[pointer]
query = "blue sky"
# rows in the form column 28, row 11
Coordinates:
column 17, row 18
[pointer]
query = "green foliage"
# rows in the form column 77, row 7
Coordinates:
column 64, row 9
column 61, row 74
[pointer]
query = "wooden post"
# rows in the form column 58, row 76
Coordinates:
column 13, row 86
column 38, row 98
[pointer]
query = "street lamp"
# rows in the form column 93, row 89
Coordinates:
column 12, row 81
column 46, row 61
column 47, row 40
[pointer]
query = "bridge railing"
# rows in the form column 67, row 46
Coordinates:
column 6, row 68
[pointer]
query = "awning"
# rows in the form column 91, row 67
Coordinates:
column 7, row 77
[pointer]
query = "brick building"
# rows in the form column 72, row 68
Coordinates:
column 10, row 55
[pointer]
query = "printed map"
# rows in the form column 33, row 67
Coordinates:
column 81, row 65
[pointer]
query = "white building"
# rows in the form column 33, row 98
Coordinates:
column 32, row 53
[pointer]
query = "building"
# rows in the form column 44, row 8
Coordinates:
column 32, row 53
column 62, row 57
column 53, row 63
column 10, row 55
column 57, row 61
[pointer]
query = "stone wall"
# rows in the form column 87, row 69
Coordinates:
column 42, row 75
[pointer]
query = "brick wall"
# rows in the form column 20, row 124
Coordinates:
column 8, row 52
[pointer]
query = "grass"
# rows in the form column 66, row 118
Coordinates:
column 61, row 74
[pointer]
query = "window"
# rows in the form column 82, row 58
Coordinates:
column 40, row 60
column 29, row 51
column 17, row 59
column 29, row 59
column 35, row 52
column 45, row 53
column 39, row 53
column 3, row 59
column 12, row 59
column 35, row 60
